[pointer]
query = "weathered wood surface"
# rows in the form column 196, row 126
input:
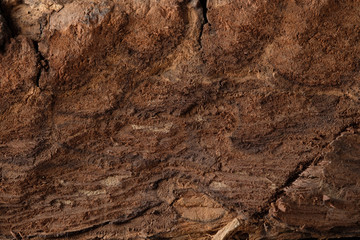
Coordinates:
column 165, row 120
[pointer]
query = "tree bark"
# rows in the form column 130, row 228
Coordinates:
column 179, row 119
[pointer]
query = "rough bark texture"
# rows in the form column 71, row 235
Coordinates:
column 179, row 119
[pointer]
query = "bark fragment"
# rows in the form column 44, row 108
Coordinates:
column 169, row 119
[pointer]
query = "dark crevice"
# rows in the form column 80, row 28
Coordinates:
column 13, row 31
column 295, row 174
column 5, row 30
column 204, row 8
column 203, row 5
column 240, row 236
column 42, row 64
column 292, row 177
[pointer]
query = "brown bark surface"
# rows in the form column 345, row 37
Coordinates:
column 179, row 119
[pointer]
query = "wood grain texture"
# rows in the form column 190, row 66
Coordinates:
column 144, row 120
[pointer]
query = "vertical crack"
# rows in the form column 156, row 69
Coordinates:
column 42, row 64
column 203, row 5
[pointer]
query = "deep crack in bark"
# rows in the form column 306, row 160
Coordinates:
column 203, row 4
column 42, row 64
column 295, row 174
column 6, row 31
column 204, row 8
column 9, row 23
